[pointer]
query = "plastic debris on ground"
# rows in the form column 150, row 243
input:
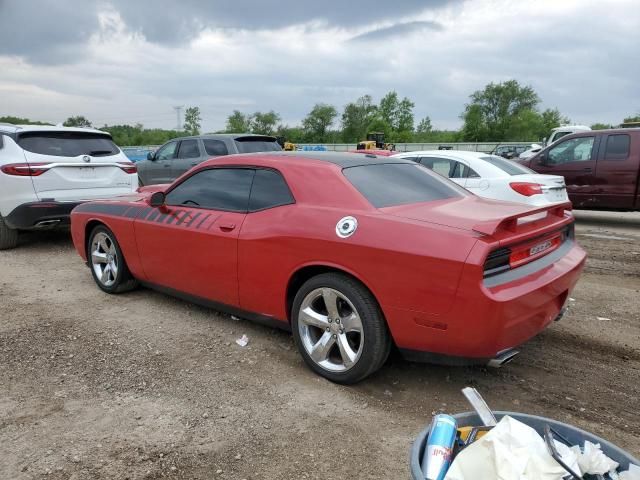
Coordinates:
column 632, row 474
column 592, row 460
column 510, row 451
column 243, row 340
column 603, row 319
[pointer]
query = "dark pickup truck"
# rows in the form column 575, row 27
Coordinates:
column 601, row 168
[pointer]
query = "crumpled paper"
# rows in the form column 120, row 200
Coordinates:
column 511, row 451
column 592, row 460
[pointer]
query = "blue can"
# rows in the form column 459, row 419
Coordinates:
column 439, row 449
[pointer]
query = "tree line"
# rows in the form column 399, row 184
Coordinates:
column 500, row 112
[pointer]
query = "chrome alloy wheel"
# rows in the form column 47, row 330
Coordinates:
column 104, row 259
column 330, row 329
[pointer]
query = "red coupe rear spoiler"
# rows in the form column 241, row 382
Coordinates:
column 491, row 227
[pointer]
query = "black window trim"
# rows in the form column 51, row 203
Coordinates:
column 239, row 167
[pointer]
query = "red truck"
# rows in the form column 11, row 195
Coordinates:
column 601, row 168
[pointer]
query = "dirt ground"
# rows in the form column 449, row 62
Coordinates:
column 144, row 386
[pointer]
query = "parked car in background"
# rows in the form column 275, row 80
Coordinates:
column 337, row 247
column 509, row 151
column 46, row 171
column 531, row 151
column 494, row 177
column 181, row 154
column 601, row 168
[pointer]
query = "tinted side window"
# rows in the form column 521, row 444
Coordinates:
column 617, row 147
column 189, row 149
column 269, row 190
column 218, row 189
column 68, row 144
column 386, row 185
column 215, row 147
column 572, row 150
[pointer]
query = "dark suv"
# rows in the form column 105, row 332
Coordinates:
column 601, row 168
column 181, row 154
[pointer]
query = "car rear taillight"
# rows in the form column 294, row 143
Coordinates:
column 531, row 251
column 497, row 262
column 24, row 169
column 128, row 167
column 525, row 188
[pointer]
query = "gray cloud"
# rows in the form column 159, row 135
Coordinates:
column 50, row 31
column 397, row 30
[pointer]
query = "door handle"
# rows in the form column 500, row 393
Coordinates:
column 587, row 169
column 227, row 227
column 194, row 164
column 166, row 165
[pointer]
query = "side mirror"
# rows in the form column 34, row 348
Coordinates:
column 542, row 158
column 157, row 199
column 151, row 156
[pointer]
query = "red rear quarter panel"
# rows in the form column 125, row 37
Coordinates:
column 113, row 215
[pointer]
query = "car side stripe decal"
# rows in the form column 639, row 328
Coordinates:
column 106, row 208
column 182, row 219
column 153, row 215
column 202, row 221
column 173, row 216
column 193, row 219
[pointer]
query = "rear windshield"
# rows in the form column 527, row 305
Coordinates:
column 507, row 166
column 68, row 144
column 257, row 144
column 390, row 184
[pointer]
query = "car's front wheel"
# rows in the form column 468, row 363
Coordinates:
column 107, row 262
column 8, row 236
column 339, row 328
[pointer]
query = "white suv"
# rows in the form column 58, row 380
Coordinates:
column 46, row 171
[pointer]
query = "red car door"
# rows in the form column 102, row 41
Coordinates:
column 616, row 171
column 191, row 244
column 574, row 159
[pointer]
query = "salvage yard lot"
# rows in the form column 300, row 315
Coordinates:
column 146, row 386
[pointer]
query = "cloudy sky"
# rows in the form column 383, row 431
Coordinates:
column 129, row 61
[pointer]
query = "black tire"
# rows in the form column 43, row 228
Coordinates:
column 376, row 340
column 8, row 236
column 122, row 281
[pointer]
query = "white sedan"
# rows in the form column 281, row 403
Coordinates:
column 493, row 177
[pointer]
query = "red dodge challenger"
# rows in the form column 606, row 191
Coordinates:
column 353, row 253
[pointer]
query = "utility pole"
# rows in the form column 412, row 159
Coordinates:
column 178, row 109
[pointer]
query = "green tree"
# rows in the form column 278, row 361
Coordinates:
column 403, row 123
column 474, row 128
column 264, row 123
column 526, row 125
column 601, row 126
column 356, row 118
column 317, row 122
column 635, row 118
column 77, row 121
column 192, row 121
column 21, row 121
column 238, row 122
column 496, row 106
column 552, row 118
column 379, row 124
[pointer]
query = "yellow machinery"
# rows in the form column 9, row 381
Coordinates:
column 375, row 141
column 289, row 146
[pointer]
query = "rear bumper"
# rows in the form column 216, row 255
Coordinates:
column 40, row 215
column 488, row 319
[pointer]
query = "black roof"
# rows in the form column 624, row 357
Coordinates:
column 342, row 159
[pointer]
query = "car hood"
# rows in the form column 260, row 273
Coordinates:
column 467, row 213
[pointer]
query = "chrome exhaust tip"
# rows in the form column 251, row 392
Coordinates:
column 47, row 223
column 503, row 358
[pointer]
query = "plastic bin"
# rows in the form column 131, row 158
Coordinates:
column 573, row 434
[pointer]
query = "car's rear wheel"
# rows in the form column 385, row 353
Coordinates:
column 108, row 266
column 339, row 328
column 8, row 236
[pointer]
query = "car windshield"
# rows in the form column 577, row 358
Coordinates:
column 390, row 184
column 257, row 144
column 68, row 144
column 507, row 166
